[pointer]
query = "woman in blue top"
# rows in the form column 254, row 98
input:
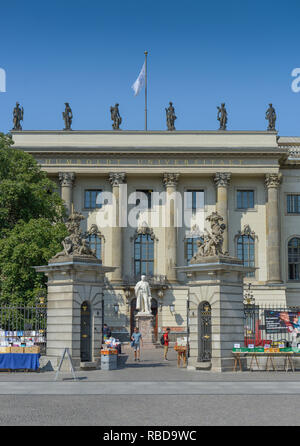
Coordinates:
column 136, row 338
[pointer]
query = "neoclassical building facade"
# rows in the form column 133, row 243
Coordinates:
column 251, row 178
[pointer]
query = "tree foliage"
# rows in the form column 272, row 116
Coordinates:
column 31, row 223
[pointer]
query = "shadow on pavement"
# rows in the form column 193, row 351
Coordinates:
column 122, row 363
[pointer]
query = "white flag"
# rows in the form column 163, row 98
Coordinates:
column 139, row 83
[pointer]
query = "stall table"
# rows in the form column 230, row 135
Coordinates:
column 17, row 361
column 287, row 353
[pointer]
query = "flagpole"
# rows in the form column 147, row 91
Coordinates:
column 146, row 54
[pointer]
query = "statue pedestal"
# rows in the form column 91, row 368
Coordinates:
column 145, row 323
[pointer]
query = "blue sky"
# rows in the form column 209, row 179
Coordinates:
column 90, row 52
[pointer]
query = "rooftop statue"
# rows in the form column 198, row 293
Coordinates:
column 67, row 116
column 170, row 112
column 115, row 117
column 222, row 116
column 212, row 243
column 76, row 244
column 18, row 115
column 271, row 117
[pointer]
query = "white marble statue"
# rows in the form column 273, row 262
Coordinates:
column 143, row 296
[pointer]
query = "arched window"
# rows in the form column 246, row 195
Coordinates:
column 294, row 258
column 144, row 254
column 246, row 250
column 95, row 242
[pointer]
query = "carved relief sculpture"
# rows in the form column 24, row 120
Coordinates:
column 76, row 244
column 212, row 244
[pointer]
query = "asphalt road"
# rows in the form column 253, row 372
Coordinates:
column 156, row 410
column 150, row 393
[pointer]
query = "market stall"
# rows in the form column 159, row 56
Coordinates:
column 269, row 353
column 109, row 358
column 19, row 358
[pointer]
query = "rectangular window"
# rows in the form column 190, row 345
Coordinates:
column 92, row 199
column 144, row 198
column 293, row 204
column 245, row 199
column 194, row 200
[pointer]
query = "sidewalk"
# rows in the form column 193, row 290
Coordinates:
column 151, row 368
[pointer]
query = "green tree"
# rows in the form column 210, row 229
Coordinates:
column 31, row 223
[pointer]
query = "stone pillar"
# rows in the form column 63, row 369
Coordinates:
column 116, row 179
column 170, row 181
column 273, row 231
column 218, row 281
column 66, row 180
column 73, row 280
column 222, row 180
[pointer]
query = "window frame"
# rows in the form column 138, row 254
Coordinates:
column 148, row 193
column 294, row 263
column 101, row 240
column 287, row 195
column 249, row 275
column 84, row 199
column 245, row 189
column 140, row 260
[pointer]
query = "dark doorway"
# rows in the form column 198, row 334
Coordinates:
column 85, row 332
column 204, row 331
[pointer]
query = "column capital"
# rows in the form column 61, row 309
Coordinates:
column 170, row 179
column 117, row 178
column 273, row 180
column 66, row 178
column 222, row 179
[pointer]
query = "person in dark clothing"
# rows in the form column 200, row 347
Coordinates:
column 106, row 332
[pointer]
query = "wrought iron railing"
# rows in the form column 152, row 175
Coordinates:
column 24, row 324
column 269, row 324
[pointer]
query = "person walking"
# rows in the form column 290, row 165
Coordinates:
column 136, row 343
column 166, row 343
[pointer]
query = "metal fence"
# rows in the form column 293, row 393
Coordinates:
column 24, row 324
column 266, row 324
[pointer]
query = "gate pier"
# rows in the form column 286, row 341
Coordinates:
column 216, row 310
column 74, row 308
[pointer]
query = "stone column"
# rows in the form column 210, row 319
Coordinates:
column 170, row 181
column 66, row 180
column 222, row 180
column 116, row 179
column 273, row 232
